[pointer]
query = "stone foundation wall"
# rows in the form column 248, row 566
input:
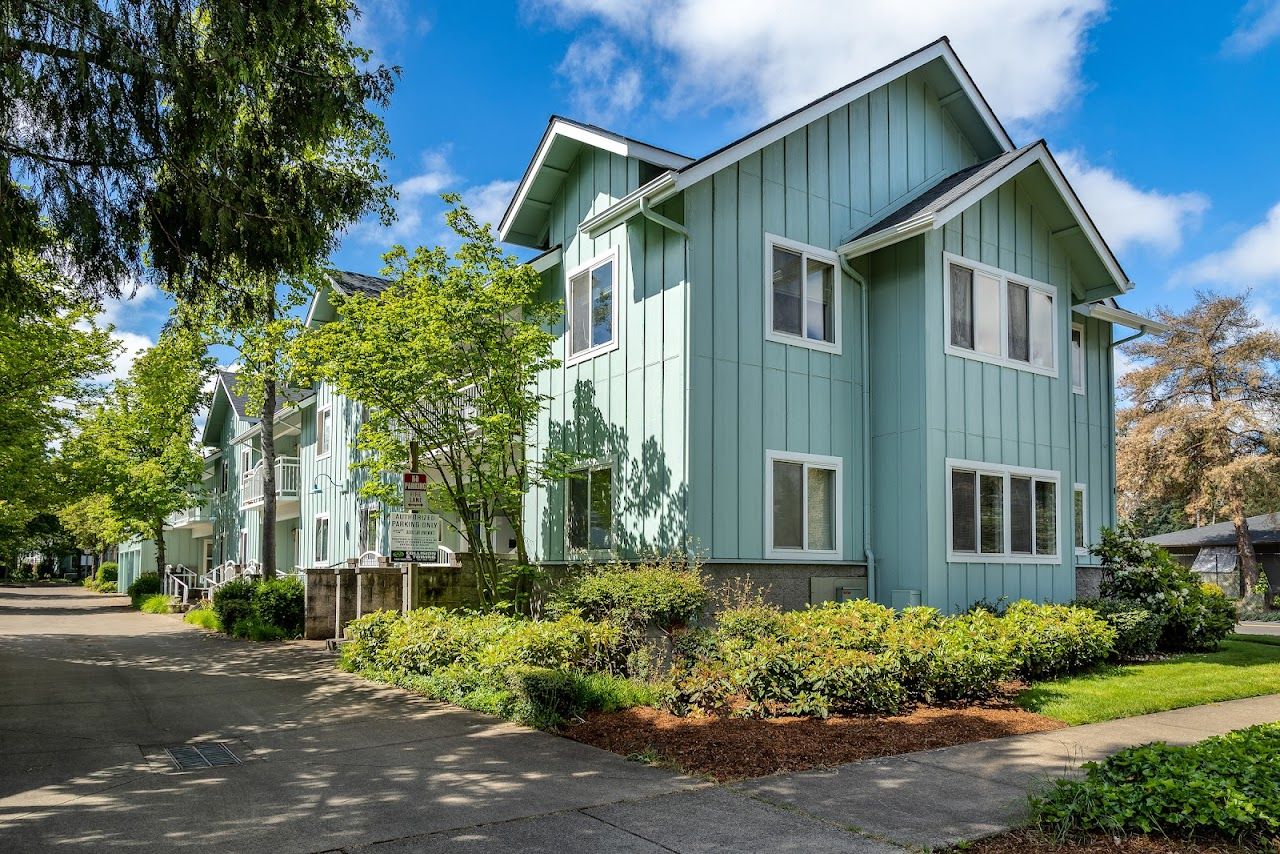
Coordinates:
column 792, row 586
column 1088, row 582
column 379, row 588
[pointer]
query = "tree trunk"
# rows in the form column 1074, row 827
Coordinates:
column 159, row 541
column 269, row 461
column 1248, row 559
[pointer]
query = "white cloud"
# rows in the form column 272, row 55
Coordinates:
column 1253, row 259
column 131, row 346
column 488, row 202
column 1259, row 26
column 1024, row 54
column 1128, row 215
column 604, row 85
column 381, row 26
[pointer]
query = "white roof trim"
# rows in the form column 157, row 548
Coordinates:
column 1115, row 314
column 1038, row 153
column 629, row 205
column 547, row 260
column 590, row 136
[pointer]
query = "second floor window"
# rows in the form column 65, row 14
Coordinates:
column 1000, row 318
column 324, row 431
column 1077, row 358
column 592, row 308
column 802, row 295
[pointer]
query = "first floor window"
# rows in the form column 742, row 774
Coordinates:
column 1001, row 511
column 803, row 505
column 590, row 509
column 1005, row 318
column 591, row 306
column 802, row 292
column 1079, row 516
column 322, row 540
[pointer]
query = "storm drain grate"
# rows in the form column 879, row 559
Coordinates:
column 192, row 757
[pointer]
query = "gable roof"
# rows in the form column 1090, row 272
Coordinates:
column 525, row 219
column 238, row 401
column 346, row 283
column 938, row 205
column 225, row 398
column 1262, row 529
column 945, row 72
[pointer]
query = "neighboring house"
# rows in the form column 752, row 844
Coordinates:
column 863, row 349
column 1211, row 550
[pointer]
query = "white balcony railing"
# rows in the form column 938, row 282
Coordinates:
column 201, row 512
column 288, row 481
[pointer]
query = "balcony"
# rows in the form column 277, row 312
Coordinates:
column 288, row 480
column 192, row 516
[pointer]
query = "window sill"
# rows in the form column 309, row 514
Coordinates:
column 801, row 341
column 800, row 555
column 965, row 557
column 1001, row 361
column 591, row 353
column 1077, row 390
column 324, row 456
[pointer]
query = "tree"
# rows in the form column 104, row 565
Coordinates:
column 187, row 134
column 446, row 361
column 1203, row 414
column 50, row 353
column 91, row 523
column 138, row 448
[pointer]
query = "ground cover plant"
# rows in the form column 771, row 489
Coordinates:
column 260, row 610
column 157, row 603
column 143, row 587
column 203, row 617
column 1224, row 787
column 1243, row 666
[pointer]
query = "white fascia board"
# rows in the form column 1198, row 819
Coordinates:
column 589, row 136
column 629, row 205
column 1115, row 314
column 547, row 260
column 940, row 50
column 887, row 236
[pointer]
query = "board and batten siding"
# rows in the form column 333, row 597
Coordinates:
column 624, row 407
column 1093, row 420
column 749, row 394
column 991, row 413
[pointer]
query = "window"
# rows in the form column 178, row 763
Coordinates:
column 802, row 295
column 222, row 475
column 994, row 317
column 592, row 309
column 1002, row 513
column 1079, row 515
column 324, row 431
column 589, row 511
column 246, row 463
column 322, row 540
column 368, row 528
column 802, row 506
column 1077, row 358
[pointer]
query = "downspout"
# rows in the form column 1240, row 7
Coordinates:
column 1142, row 330
column 868, row 555
column 670, row 224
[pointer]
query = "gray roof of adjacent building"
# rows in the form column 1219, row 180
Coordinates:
column 1262, row 529
column 349, row 283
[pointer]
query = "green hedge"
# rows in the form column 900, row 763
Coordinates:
column 261, row 610
column 1225, row 786
column 144, row 586
column 108, row 572
column 666, row 594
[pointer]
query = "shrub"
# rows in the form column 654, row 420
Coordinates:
column 254, row 629
column 963, row 658
column 1224, row 786
column 1052, row 640
column 204, row 618
column 749, row 622
column 281, row 602
column 1137, row 630
column 667, row 594
column 147, row 584
column 108, row 573
column 543, row 696
column 156, row 604
column 233, row 602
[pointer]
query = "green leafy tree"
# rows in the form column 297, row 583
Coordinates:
column 446, row 361
column 91, row 523
column 138, row 448
column 184, row 136
column 50, row 353
column 1203, row 416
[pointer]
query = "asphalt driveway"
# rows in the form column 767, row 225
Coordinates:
column 92, row 692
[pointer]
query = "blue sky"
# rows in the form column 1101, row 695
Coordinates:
column 1165, row 115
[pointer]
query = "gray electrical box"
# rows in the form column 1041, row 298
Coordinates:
column 900, row 599
column 836, row 589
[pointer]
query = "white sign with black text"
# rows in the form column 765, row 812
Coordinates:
column 414, row 537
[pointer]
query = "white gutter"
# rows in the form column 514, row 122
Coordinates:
column 1120, row 317
column 657, row 190
column 887, row 236
column 868, row 555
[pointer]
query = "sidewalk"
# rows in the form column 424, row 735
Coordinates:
column 1257, row 627
column 940, row 797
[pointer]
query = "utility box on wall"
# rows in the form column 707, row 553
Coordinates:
column 840, row 588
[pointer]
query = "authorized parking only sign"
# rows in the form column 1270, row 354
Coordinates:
column 414, row 537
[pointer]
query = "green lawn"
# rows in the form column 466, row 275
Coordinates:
column 1245, row 666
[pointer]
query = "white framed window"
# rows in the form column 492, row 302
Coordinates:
column 324, row 431
column 801, row 294
column 1080, row 518
column 803, row 512
column 246, row 463
column 321, row 539
column 367, row 528
column 592, row 308
column 589, row 510
column 1001, row 514
column 997, row 317
column 1077, row 358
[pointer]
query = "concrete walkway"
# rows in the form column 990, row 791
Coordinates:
column 1258, row 627
column 941, row 797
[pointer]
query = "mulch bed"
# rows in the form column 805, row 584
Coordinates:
column 732, row 748
column 1022, row 841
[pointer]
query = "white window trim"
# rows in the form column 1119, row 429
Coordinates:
column 1007, row 472
column 820, row 254
column 328, row 447
column 1084, row 507
column 1077, row 383
column 818, row 461
column 328, row 540
column 572, row 553
column 1005, row 278
column 605, row 257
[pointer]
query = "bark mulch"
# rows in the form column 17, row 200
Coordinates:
column 1022, row 841
column 732, row 748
